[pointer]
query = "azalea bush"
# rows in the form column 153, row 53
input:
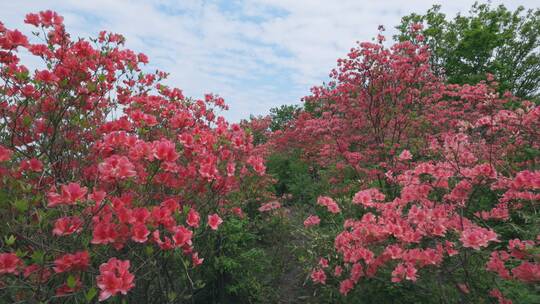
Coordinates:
column 403, row 186
column 447, row 183
column 112, row 184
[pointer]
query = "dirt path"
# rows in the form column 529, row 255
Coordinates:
column 291, row 288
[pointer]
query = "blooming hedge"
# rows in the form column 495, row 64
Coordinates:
column 107, row 175
column 447, row 177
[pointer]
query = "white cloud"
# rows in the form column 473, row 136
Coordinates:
column 257, row 54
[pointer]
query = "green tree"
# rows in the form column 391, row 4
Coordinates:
column 490, row 39
column 281, row 116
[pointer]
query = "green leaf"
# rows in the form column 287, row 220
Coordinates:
column 21, row 205
column 149, row 250
column 90, row 294
column 531, row 152
column 71, row 282
column 199, row 284
column 11, row 240
column 172, row 296
column 27, row 121
column 26, row 187
column 38, row 257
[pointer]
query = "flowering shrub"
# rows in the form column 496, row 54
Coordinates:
column 108, row 177
column 114, row 185
column 447, row 175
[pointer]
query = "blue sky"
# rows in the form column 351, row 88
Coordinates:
column 257, row 54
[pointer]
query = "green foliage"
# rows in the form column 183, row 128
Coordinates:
column 282, row 116
column 296, row 177
column 242, row 266
column 490, row 39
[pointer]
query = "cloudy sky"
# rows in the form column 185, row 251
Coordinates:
column 257, row 54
